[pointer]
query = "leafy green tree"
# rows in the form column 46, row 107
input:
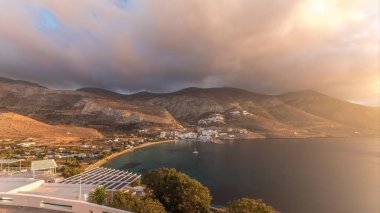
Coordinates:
column 123, row 200
column 149, row 205
column 129, row 202
column 177, row 191
column 70, row 171
column 246, row 205
column 72, row 161
column 105, row 155
column 99, row 195
column 72, row 167
column 137, row 182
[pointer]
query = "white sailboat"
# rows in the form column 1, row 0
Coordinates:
column 195, row 150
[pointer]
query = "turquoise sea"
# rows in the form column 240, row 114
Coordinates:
column 293, row 175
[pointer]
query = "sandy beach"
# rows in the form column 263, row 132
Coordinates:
column 117, row 154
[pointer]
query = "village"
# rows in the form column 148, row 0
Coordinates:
column 90, row 151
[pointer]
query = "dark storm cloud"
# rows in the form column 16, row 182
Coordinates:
column 132, row 45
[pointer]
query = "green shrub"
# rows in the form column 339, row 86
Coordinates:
column 177, row 191
column 99, row 195
column 129, row 202
column 246, row 205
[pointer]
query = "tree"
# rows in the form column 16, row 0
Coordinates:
column 177, row 191
column 105, row 155
column 149, row 205
column 137, row 182
column 72, row 161
column 127, row 201
column 123, row 200
column 246, row 205
column 72, row 168
column 99, row 195
column 70, row 171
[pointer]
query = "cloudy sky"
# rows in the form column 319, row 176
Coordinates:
column 131, row 45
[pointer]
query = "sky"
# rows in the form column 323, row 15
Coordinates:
column 268, row 47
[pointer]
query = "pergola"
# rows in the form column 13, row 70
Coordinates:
column 49, row 166
column 4, row 164
column 111, row 179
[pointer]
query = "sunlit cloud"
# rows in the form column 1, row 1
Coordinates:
column 130, row 45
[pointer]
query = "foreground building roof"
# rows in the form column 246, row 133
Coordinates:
column 111, row 179
column 43, row 164
column 32, row 195
column 9, row 161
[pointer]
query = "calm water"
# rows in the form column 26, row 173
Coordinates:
column 293, row 175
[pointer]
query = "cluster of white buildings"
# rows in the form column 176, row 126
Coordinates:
column 143, row 131
column 241, row 131
column 65, row 155
column 169, row 134
column 241, row 113
column 206, row 134
column 216, row 118
column 26, row 144
column 188, row 135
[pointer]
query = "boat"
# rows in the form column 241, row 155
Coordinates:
column 195, row 151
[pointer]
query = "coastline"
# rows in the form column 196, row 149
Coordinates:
column 101, row 162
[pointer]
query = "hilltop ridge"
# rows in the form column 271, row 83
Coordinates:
column 298, row 114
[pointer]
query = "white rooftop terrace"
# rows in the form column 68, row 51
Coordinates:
column 66, row 191
column 34, row 195
column 13, row 185
column 39, row 187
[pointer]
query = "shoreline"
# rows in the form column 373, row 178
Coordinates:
column 117, row 154
column 101, row 162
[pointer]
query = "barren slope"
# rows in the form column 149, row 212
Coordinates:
column 301, row 114
column 14, row 126
column 79, row 107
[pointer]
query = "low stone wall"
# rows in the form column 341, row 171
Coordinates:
column 63, row 205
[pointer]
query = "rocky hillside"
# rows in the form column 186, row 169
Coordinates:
column 299, row 114
column 78, row 107
column 18, row 126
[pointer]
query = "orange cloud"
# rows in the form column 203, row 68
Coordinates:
column 271, row 47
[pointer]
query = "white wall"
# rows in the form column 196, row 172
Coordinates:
column 42, row 202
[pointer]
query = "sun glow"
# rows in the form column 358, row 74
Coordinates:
column 376, row 88
column 319, row 7
column 321, row 13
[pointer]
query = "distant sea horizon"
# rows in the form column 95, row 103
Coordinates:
column 292, row 175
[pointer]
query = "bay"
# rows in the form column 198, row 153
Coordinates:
column 292, row 175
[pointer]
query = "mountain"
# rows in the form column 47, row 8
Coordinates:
column 298, row 114
column 191, row 103
column 18, row 126
column 333, row 109
column 6, row 80
column 79, row 108
column 102, row 92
